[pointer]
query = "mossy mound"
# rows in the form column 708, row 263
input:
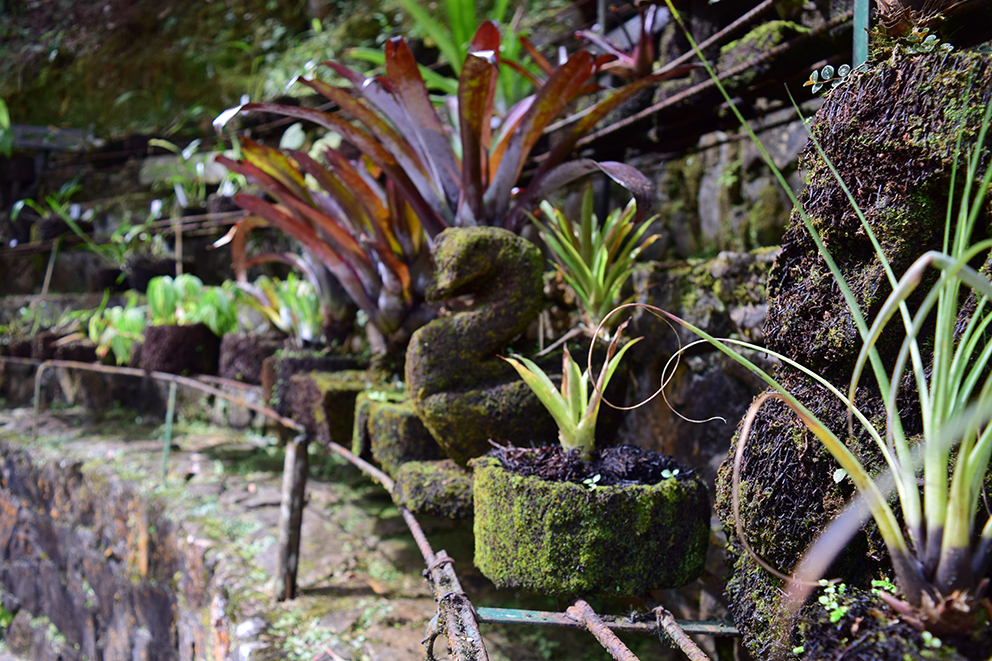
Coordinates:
column 565, row 538
column 361, row 444
column 278, row 368
column 192, row 349
column 242, row 354
column 461, row 389
column 892, row 133
column 437, row 488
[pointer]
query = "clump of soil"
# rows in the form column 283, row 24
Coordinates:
column 616, row 466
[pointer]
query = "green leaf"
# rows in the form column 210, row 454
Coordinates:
column 436, row 31
column 545, row 390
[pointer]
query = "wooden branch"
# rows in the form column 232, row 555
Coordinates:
column 582, row 612
column 666, row 622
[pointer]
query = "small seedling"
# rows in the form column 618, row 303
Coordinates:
column 827, row 75
column 921, row 41
column 830, row 600
column 878, row 585
column 592, row 482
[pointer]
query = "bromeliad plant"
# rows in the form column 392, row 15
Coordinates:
column 595, row 260
column 184, row 300
column 291, row 306
column 453, row 40
column 639, row 61
column 118, row 328
column 574, row 409
column 369, row 220
column 363, row 232
column 940, row 556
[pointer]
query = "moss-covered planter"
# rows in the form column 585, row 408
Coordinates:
column 192, row 349
column 565, row 538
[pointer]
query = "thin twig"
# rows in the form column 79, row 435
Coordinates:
column 582, row 612
column 666, row 622
column 161, row 376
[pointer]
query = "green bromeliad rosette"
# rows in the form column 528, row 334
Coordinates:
column 555, row 519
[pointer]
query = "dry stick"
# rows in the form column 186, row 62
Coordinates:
column 582, row 612
column 50, row 269
column 296, row 467
column 455, row 614
column 706, row 84
column 667, row 622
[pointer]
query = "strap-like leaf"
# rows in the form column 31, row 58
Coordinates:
column 433, row 221
column 545, row 390
column 404, row 74
column 476, row 91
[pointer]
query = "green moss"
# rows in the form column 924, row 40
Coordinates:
column 396, row 436
column 564, row 538
column 755, row 43
column 462, row 390
column 438, row 488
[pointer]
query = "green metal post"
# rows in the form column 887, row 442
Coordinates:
column 860, row 32
column 170, row 413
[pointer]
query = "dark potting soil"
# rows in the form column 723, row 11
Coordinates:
column 621, row 465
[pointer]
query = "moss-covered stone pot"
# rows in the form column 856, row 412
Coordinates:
column 565, row 538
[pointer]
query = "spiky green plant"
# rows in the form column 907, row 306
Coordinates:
column 939, row 555
column 575, row 408
column 595, row 259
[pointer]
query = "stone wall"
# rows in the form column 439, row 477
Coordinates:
column 93, row 569
column 720, row 196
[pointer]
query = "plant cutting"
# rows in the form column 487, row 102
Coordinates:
column 595, row 260
column 554, row 519
column 291, row 306
column 184, row 300
column 117, row 329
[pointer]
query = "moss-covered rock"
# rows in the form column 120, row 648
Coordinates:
column 278, row 368
column 396, row 436
column 324, row 402
column 565, row 538
column 461, row 389
column 361, row 444
column 437, row 488
column 891, row 132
